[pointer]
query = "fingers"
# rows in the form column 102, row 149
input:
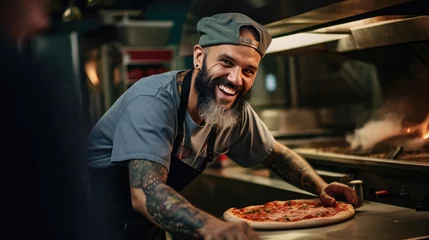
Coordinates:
column 327, row 200
column 348, row 192
column 339, row 188
column 336, row 188
column 352, row 197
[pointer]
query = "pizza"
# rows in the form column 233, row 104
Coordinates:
column 300, row 213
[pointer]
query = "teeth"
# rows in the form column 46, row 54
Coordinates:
column 227, row 90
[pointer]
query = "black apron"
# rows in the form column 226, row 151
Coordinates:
column 128, row 224
column 181, row 174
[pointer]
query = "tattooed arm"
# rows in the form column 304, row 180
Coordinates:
column 169, row 210
column 292, row 168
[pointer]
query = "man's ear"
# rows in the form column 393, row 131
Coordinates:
column 198, row 56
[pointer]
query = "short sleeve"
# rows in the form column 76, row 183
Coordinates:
column 145, row 131
column 252, row 142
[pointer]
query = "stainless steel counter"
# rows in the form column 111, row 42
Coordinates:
column 366, row 161
column 406, row 181
column 371, row 221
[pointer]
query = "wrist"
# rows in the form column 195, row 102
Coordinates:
column 208, row 226
column 320, row 188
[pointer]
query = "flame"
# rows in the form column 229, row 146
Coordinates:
column 426, row 129
column 422, row 128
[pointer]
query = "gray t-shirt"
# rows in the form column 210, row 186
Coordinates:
column 142, row 124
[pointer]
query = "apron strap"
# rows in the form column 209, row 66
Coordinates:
column 184, row 96
column 182, row 109
column 210, row 144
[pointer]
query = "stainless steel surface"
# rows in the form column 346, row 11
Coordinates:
column 296, row 143
column 217, row 190
column 409, row 30
column 371, row 221
column 357, row 186
column 383, row 32
column 394, row 153
column 392, row 176
column 392, row 32
column 309, row 122
column 286, row 19
column 238, row 188
column 304, row 41
column 363, row 161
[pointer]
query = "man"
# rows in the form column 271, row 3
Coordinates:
column 44, row 195
column 167, row 128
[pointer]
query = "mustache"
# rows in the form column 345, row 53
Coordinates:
column 229, row 84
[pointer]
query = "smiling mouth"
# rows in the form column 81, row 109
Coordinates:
column 227, row 90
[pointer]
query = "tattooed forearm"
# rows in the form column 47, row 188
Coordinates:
column 164, row 205
column 292, row 168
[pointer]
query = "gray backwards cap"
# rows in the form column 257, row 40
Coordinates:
column 224, row 28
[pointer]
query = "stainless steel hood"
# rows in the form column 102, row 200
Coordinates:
column 359, row 24
column 359, row 35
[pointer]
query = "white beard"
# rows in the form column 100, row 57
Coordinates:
column 214, row 113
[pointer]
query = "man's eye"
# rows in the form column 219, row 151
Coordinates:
column 227, row 62
column 249, row 72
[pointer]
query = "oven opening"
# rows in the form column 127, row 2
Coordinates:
column 361, row 114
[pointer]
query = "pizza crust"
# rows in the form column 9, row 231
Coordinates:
column 305, row 223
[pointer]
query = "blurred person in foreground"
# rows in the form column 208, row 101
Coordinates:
column 167, row 128
column 44, row 189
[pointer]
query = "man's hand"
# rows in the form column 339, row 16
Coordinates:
column 331, row 190
column 217, row 229
column 292, row 168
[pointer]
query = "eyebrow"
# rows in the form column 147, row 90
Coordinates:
column 228, row 57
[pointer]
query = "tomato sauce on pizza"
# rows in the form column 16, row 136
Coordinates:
column 288, row 211
column 290, row 214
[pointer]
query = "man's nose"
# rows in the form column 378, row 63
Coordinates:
column 235, row 76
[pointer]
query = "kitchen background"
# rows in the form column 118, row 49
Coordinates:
column 345, row 83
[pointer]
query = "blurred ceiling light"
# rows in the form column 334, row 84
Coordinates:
column 72, row 13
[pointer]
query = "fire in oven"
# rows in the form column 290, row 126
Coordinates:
column 390, row 138
column 390, row 155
